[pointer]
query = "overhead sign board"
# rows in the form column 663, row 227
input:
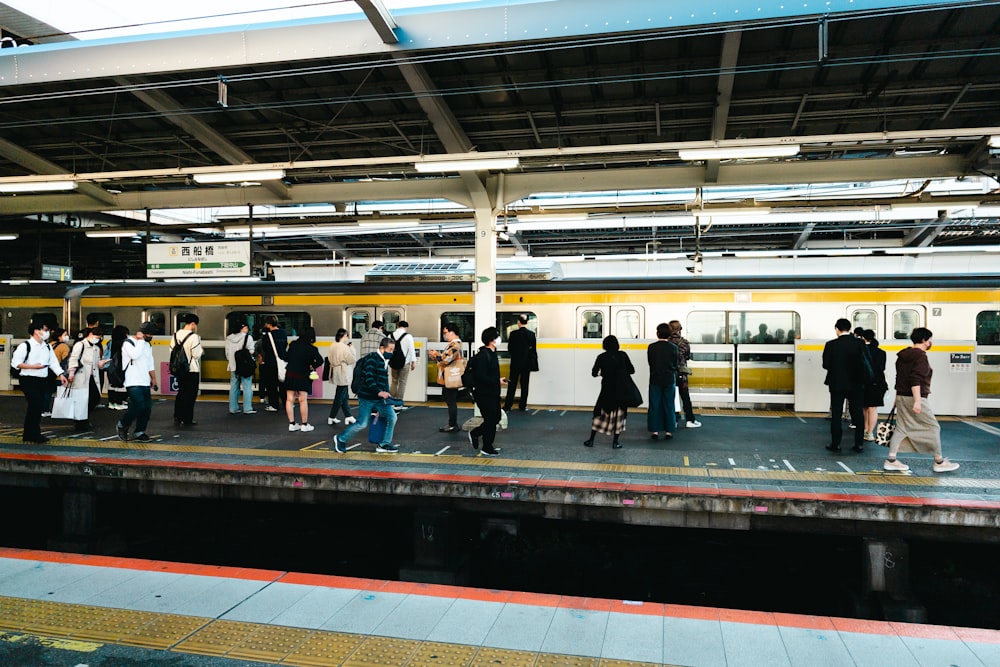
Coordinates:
column 56, row 272
column 204, row 259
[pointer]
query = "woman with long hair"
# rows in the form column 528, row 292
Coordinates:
column 303, row 359
column 341, row 359
column 876, row 389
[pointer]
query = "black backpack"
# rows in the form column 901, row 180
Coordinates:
column 179, row 363
column 469, row 376
column 398, row 359
column 16, row 372
column 359, row 371
column 245, row 363
column 116, row 372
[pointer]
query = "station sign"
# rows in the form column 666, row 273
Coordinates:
column 56, row 272
column 202, row 259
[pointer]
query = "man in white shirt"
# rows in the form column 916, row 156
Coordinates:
column 407, row 355
column 140, row 375
column 187, row 383
column 34, row 358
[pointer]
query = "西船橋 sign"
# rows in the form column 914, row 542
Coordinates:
column 203, row 259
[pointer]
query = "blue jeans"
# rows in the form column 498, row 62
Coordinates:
column 236, row 383
column 140, row 405
column 661, row 417
column 365, row 407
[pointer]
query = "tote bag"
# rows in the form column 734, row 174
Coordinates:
column 280, row 363
column 453, row 373
column 63, row 406
column 885, row 429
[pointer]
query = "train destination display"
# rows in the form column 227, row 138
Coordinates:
column 204, row 259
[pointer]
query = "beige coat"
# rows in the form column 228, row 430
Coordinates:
column 341, row 358
column 84, row 364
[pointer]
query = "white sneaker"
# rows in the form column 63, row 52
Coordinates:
column 270, row 408
column 294, row 427
column 349, row 421
column 306, row 427
column 694, row 424
column 330, row 421
column 945, row 466
column 897, row 466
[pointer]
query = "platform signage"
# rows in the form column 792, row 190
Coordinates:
column 56, row 272
column 203, row 259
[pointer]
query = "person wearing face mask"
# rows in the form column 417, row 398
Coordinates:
column 140, row 375
column 117, row 397
column 85, row 364
column 916, row 425
column 485, row 369
column 34, row 359
column 371, row 384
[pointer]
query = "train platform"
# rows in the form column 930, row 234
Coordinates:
column 60, row 609
column 741, row 468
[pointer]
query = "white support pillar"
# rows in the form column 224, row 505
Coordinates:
column 485, row 286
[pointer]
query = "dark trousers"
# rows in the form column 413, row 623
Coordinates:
column 489, row 408
column 187, row 394
column 270, row 388
column 341, row 402
column 517, row 373
column 140, row 406
column 451, row 400
column 855, row 405
column 685, row 393
column 36, row 392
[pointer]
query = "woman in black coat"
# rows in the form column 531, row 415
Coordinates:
column 610, row 413
column 303, row 359
column 485, row 369
column 874, row 390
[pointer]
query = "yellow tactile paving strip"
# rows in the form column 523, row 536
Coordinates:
column 273, row 644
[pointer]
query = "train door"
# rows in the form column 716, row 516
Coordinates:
column 889, row 321
column 625, row 322
column 360, row 318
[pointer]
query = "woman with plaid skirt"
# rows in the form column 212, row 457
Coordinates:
column 609, row 411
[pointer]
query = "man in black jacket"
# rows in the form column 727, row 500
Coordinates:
column 484, row 369
column 523, row 360
column 273, row 344
column 844, row 361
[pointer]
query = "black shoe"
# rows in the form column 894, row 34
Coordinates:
column 831, row 448
column 522, row 409
column 653, row 436
column 668, row 436
column 474, row 441
column 492, row 453
column 141, row 437
column 38, row 440
column 448, row 429
column 616, row 445
column 122, row 433
column 588, row 443
column 858, row 449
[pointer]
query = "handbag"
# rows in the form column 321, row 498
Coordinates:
column 64, row 407
column 279, row 363
column 885, row 429
column 453, row 373
column 684, row 369
column 628, row 394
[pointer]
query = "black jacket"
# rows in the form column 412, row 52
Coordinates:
column 485, row 367
column 522, row 346
column 844, row 363
column 663, row 357
column 611, row 366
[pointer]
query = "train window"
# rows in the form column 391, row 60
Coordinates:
column 159, row 320
column 864, row 318
column 105, row 320
column 771, row 328
column 390, row 320
column 360, row 324
column 593, row 324
column 179, row 321
column 628, row 324
column 988, row 327
column 507, row 322
column 466, row 323
column 48, row 319
column 707, row 327
column 292, row 322
column 903, row 322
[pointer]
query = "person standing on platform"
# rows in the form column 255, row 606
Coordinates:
column 85, row 364
column 372, row 340
column 117, row 398
column 485, row 369
column 915, row 421
column 663, row 357
column 34, row 359
column 844, row 361
column 187, row 383
column 683, row 362
column 140, row 375
column 371, row 379
column 303, row 360
column 445, row 358
column 874, row 390
column 239, row 339
column 59, row 341
column 341, row 359
column 273, row 343
column 404, row 360
column 522, row 344
column 610, row 413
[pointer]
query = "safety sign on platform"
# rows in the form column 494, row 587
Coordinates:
column 204, row 259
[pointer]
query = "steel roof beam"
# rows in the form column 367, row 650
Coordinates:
column 39, row 165
column 381, row 20
column 723, row 95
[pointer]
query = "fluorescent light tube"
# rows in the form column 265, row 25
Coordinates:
column 784, row 150
column 995, row 141
column 37, row 186
column 244, row 176
column 112, row 234
column 438, row 166
column 8, row 237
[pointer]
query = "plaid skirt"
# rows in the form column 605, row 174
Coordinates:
column 609, row 423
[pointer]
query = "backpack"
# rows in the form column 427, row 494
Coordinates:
column 16, row 372
column 398, row 359
column 116, row 372
column 469, row 376
column 245, row 364
column 359, row 371
column 179, row 363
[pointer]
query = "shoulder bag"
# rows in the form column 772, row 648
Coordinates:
column 885, row 428
column 279, row 363
column 453, row 373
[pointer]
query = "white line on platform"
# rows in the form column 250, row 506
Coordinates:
column 442, row 450
column 110, row 437
column 788, row 465
column 354, row 446
column 732, row 462
column 982, row 427
column 841, row 464
column 563, row 413
column 800, row 419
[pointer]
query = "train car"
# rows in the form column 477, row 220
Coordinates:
column 744, row 321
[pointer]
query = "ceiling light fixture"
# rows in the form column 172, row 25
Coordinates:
column 735, row 153
column 439, row 166
column 37, row 186
column 995, row 141
column 243, row 176
column 112, row 234
column 9, row 237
